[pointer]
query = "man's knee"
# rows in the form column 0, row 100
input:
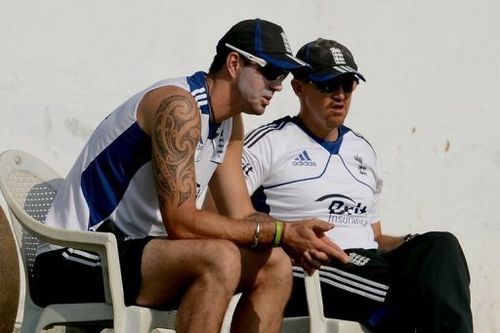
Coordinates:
column 444, row 241
column 446, row 246
column 278, row 268
column 280, row 260
column 222, row 261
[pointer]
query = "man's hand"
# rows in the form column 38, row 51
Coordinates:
column 306, row 243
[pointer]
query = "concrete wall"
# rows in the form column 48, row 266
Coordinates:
column 429, row 106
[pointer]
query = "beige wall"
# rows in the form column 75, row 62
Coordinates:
column 429, row 106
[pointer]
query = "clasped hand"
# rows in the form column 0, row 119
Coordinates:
column 308, row 246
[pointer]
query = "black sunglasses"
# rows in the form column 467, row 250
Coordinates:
column 347, row 84
column 272, row 73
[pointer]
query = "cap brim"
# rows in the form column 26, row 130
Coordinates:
column 284, row 61
column 331, row 73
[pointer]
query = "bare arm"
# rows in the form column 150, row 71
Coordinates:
column 228, row 184
column 170, row 116
column 175, row 134
column 385, row 243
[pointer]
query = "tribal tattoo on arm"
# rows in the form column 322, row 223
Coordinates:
column 175, row 136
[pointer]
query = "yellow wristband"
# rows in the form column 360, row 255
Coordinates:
column 278, row 231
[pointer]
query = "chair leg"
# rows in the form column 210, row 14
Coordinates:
column 30, row 320
column 133, row 320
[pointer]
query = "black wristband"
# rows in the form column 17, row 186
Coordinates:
column 409, row 236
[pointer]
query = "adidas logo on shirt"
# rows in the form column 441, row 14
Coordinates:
column 303, row 160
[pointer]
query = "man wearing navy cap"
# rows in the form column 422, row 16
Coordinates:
column 312, row 165
column 140, row 174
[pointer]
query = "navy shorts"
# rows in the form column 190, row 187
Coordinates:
column 73, row 276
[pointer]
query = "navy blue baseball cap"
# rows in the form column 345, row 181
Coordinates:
column 264, row 40
column 328, row 60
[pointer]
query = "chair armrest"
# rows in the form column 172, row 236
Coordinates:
column 84, row 240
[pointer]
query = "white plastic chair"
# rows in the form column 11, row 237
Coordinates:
column 29, row 187
column 316, row 322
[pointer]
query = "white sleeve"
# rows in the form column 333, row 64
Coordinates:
column 256, row 163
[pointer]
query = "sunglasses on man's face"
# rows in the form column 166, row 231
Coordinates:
column 347, row 85
column 272, row 73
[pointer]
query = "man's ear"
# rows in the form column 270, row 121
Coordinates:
column 354, row 85
column 233, row 63
column 298, row 87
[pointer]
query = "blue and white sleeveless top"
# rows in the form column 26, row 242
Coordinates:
column 112, row 178
column 295, row 175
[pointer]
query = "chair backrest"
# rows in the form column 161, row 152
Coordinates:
column 30, row 185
